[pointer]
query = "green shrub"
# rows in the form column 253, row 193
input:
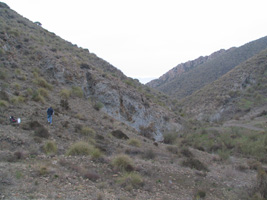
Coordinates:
column 3, row 74
column 43, row 92
column 3, row 103
column 29, row 91
column 18, row 72
column 170, row 138
column 17, row 86
column 37, row 97
column 65, row 94
column 134, row 142
column 79, row 148
column 95, row 153
column 224, row 154
column 131, row 181
column 43, row 83
column 98, row 106
column 76, row 92
column 18, row 99
column 123, row 163
column 87, row 131
column 50, row 147
column 80, row 116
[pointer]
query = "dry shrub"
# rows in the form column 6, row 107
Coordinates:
column 262, row 182
column 76, row 92
column 87, row 131
column 65, row 94
column 172, row 149
column 64, row 104
column 200, row 194
column 149, row 154
column 119, row 134
column 3, row 103
column 19, row 155
column 95, row 153
column 78, row 127
column 32, row 125
column 194, row 164
column 43, row 92
column 170, row 138
column 43, row 83
column 187, row 153
column 134, row 142
column 131, row 181
column 93, row 176
column 79, row 148
column 41, row 132
column 123, row 162
column 50, row 147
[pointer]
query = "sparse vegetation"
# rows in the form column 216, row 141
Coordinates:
column 149, row 154
column 130, row 181
column 3, row 74
column 232, row 141
column 170, row 138
column 34, row 61
column 98, row 106
column 43, row 83
column 43, row 92
column 78, row 149
column 65, row 94
column 50, row 147
column 3, row 103
column 123, row 163
column 87, row 131
column 76, row 92
column 37, row 97
column 134, row 142
column 194, row 164
column 95, row 153
column 41, row 132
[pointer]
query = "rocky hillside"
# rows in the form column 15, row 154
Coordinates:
column 101, row 144
column 37, row 56
column 204, row 70
column 241, row 90
column 180, row 69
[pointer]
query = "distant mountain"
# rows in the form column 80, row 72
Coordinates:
column 187, row 78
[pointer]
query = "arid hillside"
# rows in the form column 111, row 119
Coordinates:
column 111, row 137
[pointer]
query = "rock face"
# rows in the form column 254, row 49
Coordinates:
column 126, row 105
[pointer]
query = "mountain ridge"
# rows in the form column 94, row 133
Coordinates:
column 193, row 80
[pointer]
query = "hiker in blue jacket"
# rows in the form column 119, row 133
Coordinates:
column 50, row 112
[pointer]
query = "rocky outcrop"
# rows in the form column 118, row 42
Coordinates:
column 125, row 104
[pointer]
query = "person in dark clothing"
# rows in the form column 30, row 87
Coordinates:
column 50, row 112
column 12, row 119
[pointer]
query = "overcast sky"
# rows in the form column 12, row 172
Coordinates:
column 146, row 38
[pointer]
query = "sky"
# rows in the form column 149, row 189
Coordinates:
column 147, row 38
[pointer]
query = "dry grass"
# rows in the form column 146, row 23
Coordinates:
column 123, row 162
column 79, row 148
